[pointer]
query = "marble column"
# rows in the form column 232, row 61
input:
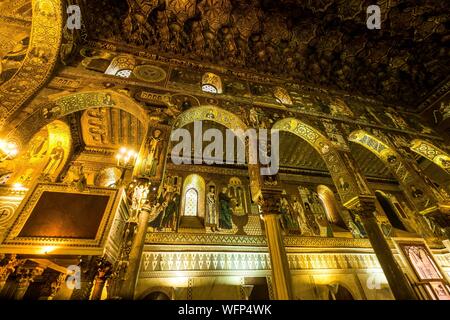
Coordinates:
column 134, row 261
column 149, row 169
column 88, row 271
column 400, row 287
column 103, row 274
column 281, row 277
column 56, row 285
column 117, row 277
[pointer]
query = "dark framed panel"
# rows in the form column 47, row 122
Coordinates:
column 57, row 218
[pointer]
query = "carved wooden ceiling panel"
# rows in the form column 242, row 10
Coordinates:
column 322, row 42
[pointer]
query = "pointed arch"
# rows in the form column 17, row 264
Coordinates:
column 210, row 113
column 431, row 152
column 374, row 144
column 193, row 202
column 42, row 56
column 386, row 153
column 342, row 177
column 230, row 121
column 415, row 184
column 63, row 104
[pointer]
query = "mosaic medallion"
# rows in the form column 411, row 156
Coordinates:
column 6, row 211
column 149, row 73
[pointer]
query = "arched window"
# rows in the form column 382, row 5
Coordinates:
column 211, row 83
column 193, row 202
column 121, row 66
column 282, row 96
column 124, row 73
column 191, row 206
column 339, row 292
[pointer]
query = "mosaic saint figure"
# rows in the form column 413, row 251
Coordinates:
column 311, row 219
column 300, row 214
column 171, row 212
column 288, row 221
column 211, row 209
column 38, row 147
column 56, row 157
column 354, row 229
column 163, row 201
column 360, row 226
column 81, row 183
column 254, row 118
column 225, row 212
column 139, row 196
column 154, row 152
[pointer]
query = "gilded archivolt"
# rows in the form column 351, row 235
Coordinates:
column 343, row 179
column 211, row 113
column 407, row 173
column 64, row 104
column 41, row 58
column 432, row 153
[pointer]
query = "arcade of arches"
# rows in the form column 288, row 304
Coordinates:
column 359, row 208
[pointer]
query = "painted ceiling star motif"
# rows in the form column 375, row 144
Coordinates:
column 135, row 22
column 181, row 10
column 246, row 19
column 215, row 13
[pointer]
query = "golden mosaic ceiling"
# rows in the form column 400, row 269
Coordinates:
column 323, row 42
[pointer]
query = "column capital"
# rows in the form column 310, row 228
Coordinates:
column 104, row 271
column 10, row 266
column 362, row 205
column 270, row 202
column 26, row 275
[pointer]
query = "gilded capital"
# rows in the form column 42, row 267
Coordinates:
column 362, row 205
column 270, row 201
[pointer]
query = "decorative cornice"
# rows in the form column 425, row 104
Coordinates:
column 238, row 240
column 101, row 78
